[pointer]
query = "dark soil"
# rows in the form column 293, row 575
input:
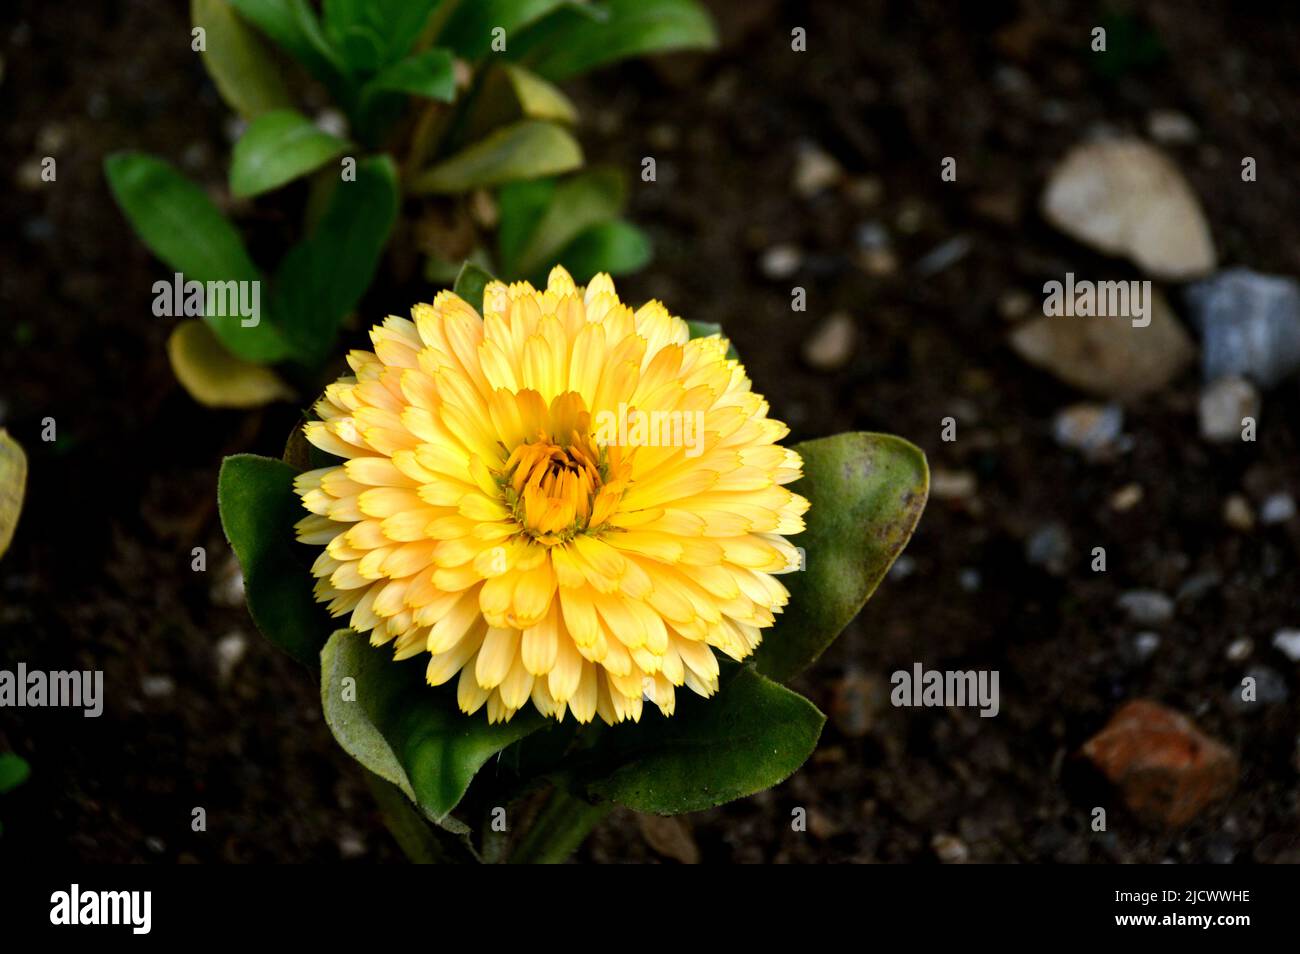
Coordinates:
column 99, row 574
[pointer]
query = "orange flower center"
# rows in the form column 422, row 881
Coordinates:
column 560, row 485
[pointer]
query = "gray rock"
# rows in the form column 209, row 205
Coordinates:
column 1288, row 642
column 1277, row 508
column 1145, row 645
column 1239, row 650
column 1146, row 607
column 1223, row 405
column 830, row 346
column 1090, row 428
column 1249, row 323
column 780, row 261
column 1049, row 547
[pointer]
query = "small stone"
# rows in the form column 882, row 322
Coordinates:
column 831, row 345
column 1223, row 406
column 780, row 261
column 871, row 235
column 951, row 484
column 230, row 650
column 1146, row 607
column 944, row 256
column 1124, row 197
column 1239, row 649
column 1126, row 498
column 1166, row 769
column 878, row 262
column 333, row 122
column 856, row 699
column 949, row 849
column 1249, row 324
column 1276, row 508
column 157, row 687
column 1288, row 642
column 1014, row 304
column 865, row 191
column 1107, row 355
column 670, row 836
column 228, row 587
column 1049, row 547
column 1198, row 585
column 1145, row 645
column 903, row 567
column 969, row 579
column 1091, row 429
column 1171, row 128
column 911, row 215
column 351, row 845
column 815, row 171
column 1237, row 513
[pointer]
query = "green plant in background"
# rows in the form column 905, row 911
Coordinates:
column 14, row 770
column 574, row 584
column 454, row 124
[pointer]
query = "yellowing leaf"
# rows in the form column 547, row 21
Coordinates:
column 13, row 484
column 215, row 377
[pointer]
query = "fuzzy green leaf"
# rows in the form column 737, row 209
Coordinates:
column 751, row 735
column 468, row 30
column 406, row 732
column 258, row 509
column 292, row 25
column 867, row 493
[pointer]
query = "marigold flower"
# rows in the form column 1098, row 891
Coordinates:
column 563, row 500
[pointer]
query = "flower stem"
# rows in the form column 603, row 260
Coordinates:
column 562, row 825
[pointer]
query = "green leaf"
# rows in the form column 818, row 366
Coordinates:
column 258, row 509
column 867, row 492
column 389, row 28
column 14, row 770
column 580, row 201
column 13, row 487
column 524, row 150
column 569, row 42
column 751, row 735
column 520, row 206
column 216, row 378
column 278, row 147
column 505, row 94
column 178, row 223
column 421, row 842
column 430, row 74
column 468, row 30
column 292, row 25
column 470, row 284
column 239, row 62
column 323, row 277
column 616, row 247
column 403, row 730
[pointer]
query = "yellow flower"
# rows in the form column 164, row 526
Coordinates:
column 564, row 500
